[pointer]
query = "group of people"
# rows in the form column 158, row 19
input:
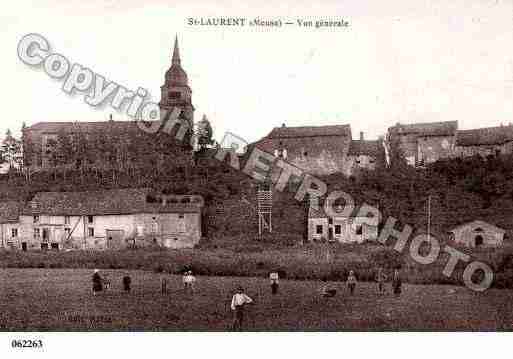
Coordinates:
column 240, row 299
column 328, row 291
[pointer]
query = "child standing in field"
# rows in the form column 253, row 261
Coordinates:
column 97, row 282
column 239, row 300
column 351, row 281
column 189, row 282
column 381, row 277
column 397, row 283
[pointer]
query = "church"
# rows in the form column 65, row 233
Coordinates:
column 53, row 144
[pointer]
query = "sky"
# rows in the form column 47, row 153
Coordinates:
column 398, row 61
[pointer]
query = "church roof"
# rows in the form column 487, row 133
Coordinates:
column 84, row 126
column 176, row 75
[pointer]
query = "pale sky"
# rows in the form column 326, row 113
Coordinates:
column 406, row 61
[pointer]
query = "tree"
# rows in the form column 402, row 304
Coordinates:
column 204, row 133
column 11, row 151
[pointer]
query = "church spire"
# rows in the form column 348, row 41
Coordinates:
column 176, row 53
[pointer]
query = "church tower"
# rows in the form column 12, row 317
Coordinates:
column 176, row 91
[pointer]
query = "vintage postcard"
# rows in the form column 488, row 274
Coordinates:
column 217, row 166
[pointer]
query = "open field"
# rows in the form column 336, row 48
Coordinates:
column 60, row 299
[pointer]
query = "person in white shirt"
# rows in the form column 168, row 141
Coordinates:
column 188, row 282
column 239, row 300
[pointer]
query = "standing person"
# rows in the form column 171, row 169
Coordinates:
column 239, row 300
column 381, row 277
column 185, row 281
column 397, row 283
column 126, row 283
column 163, row 284
column 274, row 282
column 351, row 281
column 192, row 281
column 97, row 282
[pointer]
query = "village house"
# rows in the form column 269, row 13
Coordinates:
column 318, row 150
column 478, row 233
column 9, row 224
column 365, row 154
column 484, row 141
column 109, row 219
column 322, row 227
column 423, row 143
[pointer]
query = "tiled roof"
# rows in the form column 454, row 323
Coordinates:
column 447, row 128
column 310, row 131
column 485, row 136
column 105, row 202
column 9, row 211
column 363, row 147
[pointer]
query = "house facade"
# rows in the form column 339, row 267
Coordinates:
column 490, row 141
column 9, row 224
column 320, row 150
column 423, row 143
column 365, row 154
column 322, row 227
column 477, row 234
column 112, row 219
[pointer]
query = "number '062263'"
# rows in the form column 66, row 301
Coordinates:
column 23, row 343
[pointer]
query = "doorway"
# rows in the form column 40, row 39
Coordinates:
column 44, row 246
column 24, row 246
column 479, row 240
column 55, row 246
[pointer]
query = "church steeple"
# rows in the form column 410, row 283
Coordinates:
column 175, row 92
column 176, row 53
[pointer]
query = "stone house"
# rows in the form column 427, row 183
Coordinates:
column 340, row 229
column 423, row 143
column 484, row 141
column 109, row 219
column 320, row 150
column 9, row 224
column 478, row 233
column 365, row 154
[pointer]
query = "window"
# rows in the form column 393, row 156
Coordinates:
column 318, row 229
column 180, row 215
column 330, row 221
column 338, row 229
column 66, row 220
column 67, row 232
column 14, row 232
column 90, row 219
column 174, row 95
column 358, row 229
column 36, row 219
column 90, row 232
column 305, row 153
column 37, row 233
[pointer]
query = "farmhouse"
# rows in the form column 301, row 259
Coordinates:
column 365, row 154
column 423, row 143
column 478, row 233
column 109, row 219
column 322, row 227
column 9, row 223
column 318, row 150
column 484, row 141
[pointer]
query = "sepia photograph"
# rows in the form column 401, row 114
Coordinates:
column 207, row 167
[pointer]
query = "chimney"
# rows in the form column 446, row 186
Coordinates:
column 361, row 135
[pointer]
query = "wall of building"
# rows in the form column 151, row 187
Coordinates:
column 170, row 230
column 467, row 236
column 344, row 230
column 432, row 148
column 484, row 150
column 7, row 241
column 361, row 161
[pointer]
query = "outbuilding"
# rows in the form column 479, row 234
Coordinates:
column 477, row 234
